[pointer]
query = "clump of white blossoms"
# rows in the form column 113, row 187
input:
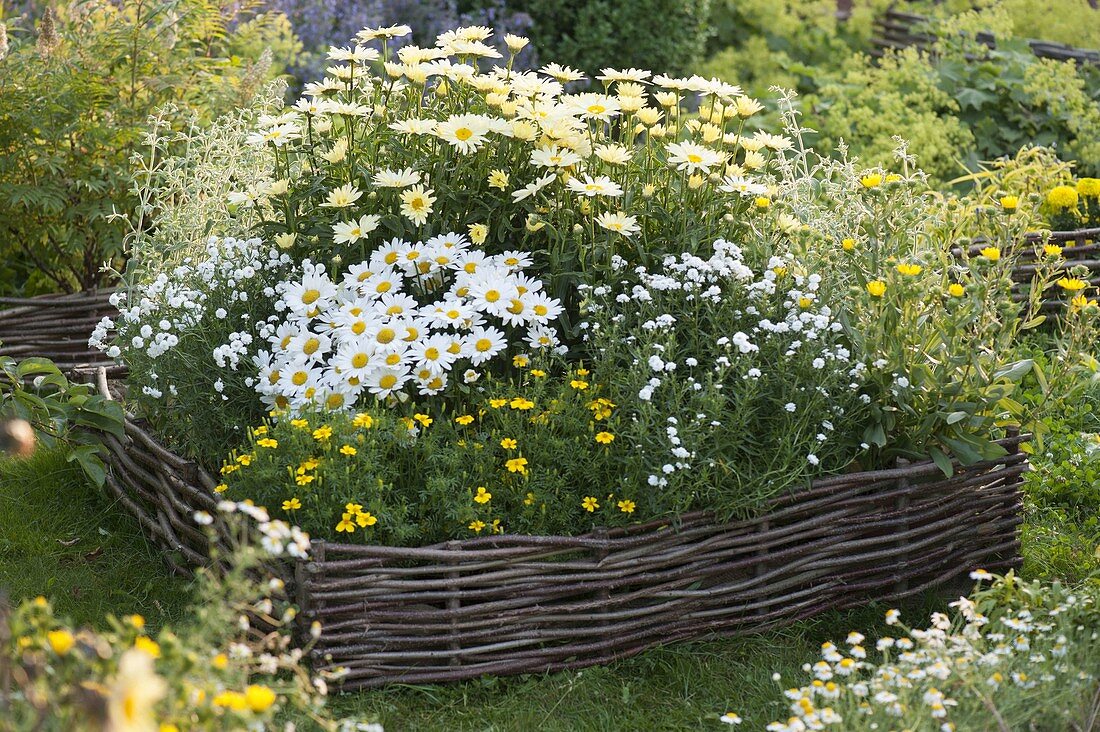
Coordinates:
column 410, row 317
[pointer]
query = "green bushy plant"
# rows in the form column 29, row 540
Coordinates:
column 664, row 35
column 74, row 96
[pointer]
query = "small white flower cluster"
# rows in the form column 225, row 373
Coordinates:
column 701, row 324
column 278, row 538
column 153, row 317
column 411, row 315
column 945, row 672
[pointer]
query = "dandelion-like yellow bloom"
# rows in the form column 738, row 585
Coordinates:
column 1062, row 197
column 521, row 404
column 520, row 361
column 1072, row 284
column 508, row 443
column 348, row 450
column 259, row 698
column 578, row 384
column 221, row 488
column 847, row 244
column 538, row 373
column 956, row 290
column 497, row 403
column 322, row 433
column 464, row 419
column 909, row 270
column 1080, row 302
column 234, row 700
column 1052, row 250
column 876, row 288
column 605, row 438
column 61, row 641
column 805, row 302
column 762, row 202
column 590, row 504
column 220, row 661
column 626, row 506
column 300, row 423
column 148, row 645
column 1009, row 203
column 363, row 421
column 991, row 253
column 423, row 419
column 267, row 442
column 872, row 180
column 476, row 526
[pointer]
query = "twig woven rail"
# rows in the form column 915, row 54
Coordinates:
column 57, row 327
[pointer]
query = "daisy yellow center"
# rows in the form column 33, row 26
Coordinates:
column 394, row 310
column 310, row 296
column 358, row 327
column 418, row 204
column 424, row 267
column 411, row 334
column 511, row 261
column 516, row 307
column 387, row 381
column 455, row 348
column 694, row 158
column 273, row 377
column 393, row 359
column 541, row 310
column 431, row 353
column 436, row 383
column 384, row 286
column 492, row 296
column 311, row 346
column 597, row 109
column 299, row 378
column 483, row 345
column 390, row 257
column 414, row 254
column 464, row 133
column 285, row 342
column 453, row 314
column 470, row 267
column 363, row 276
column 359, row 360
column 334, row 401
column 386, row 335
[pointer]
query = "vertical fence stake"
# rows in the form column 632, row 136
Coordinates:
column 454, row 604
column 902, row 505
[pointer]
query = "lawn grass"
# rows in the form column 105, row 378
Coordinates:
column 62, row 538
column 682, row 687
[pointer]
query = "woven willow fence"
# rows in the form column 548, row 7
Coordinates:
column 519, row 604
column 57, row 327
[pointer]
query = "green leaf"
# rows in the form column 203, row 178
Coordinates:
column 88, row 457
column 875, row 435
column 956, row 417
column 36, row 365
column 942, row 461
column 1014, row 371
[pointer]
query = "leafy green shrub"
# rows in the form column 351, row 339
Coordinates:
column 74, row 97
column 659, row 35
column 59, row 410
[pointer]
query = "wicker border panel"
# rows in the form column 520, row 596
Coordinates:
column 57, row 327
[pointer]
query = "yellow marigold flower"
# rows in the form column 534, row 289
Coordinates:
column 872, row 180
column 476, row 526
column 578, row 384
column 221, row 488
column 991, row 253
column 517, row 465
column 229, row 468
column 508, row 443
column 1079, row 302
column 234, row 700
column 346, row 524
column 353, row 507
column 1009, row 203
column 137, row 621
column 464, row 419
column 626, row 506
column 605, row 438
column 779, row 271
column 147, row 646
column 423, row 419
column 61, row 641
column 956, row 290
column 529, row 499
column 877, row 288
column 363, row 421
column 168, row 727
column 268, row 443
column 538, row 373
column 520, row 361
column 1089, row 187
column 498, row 179
column 847, row 244
column 292, row 505
column 582, row 372
column 483, row 496
column 892, row 177
column 497, row 403
column 1062, row 197
column 1072, row 284
column 365, row 519
column 244, row 460
column 220, row 661
column 1052, row 250
column 300, row 423
column 322, row 433
column 304, row 479
column 347, row 450
column 909, row 270
column 590, row 504
column 762, row 202
column 259, row 698
column 261, row 430
column 521, row 403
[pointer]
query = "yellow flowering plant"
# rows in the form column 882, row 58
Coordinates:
column 230, row 665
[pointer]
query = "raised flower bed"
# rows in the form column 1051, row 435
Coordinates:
column 512, row 604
